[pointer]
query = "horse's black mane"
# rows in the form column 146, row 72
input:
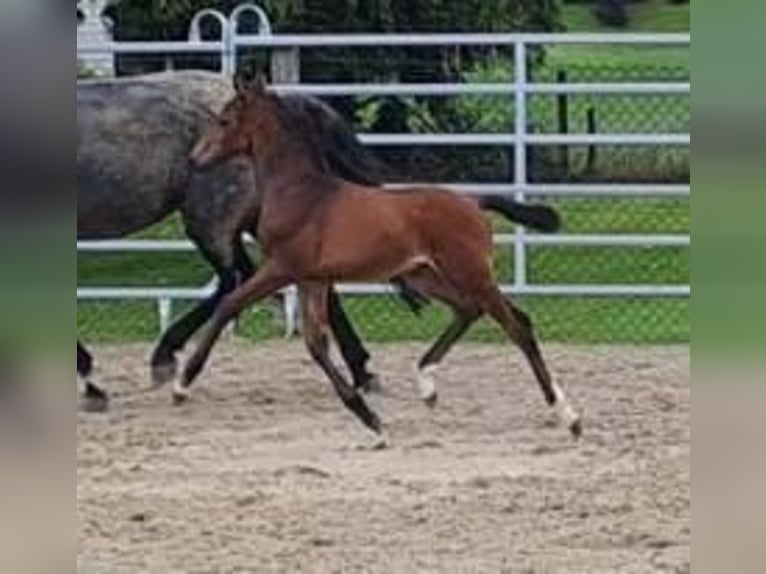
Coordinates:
column 327, row 133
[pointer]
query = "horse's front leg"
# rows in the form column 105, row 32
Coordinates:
column 350, row 345
column 163, row 361
column 267, row 280
column 314, row 307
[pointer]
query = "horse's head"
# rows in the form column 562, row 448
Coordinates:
column 245, row 125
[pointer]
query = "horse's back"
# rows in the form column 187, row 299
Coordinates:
column 133, row 139
column 439, row 211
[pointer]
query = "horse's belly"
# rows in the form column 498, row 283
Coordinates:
column 367, row 249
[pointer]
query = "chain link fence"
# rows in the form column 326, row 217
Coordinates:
column 385, row 318
column 608, row 319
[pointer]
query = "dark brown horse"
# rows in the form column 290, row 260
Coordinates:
column 134, row 136
column 316, row 229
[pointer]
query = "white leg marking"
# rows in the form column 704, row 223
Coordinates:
column 179, row 391
column 427, row 383
column 565, row 411
column 82, row 384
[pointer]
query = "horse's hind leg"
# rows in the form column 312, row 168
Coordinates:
column 94, row 399
column 429, row 282
column 314, row 307
column 466, row 267
column 351, row 346
column 461, row 322
column 518, row 327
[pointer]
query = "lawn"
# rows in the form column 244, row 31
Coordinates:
column 569, row 319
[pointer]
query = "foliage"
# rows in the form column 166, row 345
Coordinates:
column 84, row 71
column 169, row 19
column 155, row 19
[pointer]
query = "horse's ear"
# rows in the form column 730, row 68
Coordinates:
column 259, row 84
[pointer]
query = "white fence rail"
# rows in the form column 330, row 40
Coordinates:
column 518, row 137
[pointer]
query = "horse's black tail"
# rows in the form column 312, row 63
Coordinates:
column 540, row 217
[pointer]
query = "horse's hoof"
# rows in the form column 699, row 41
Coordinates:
column 181, row 394
column 365, row 414
column 94, row 402
column 375, row 424
column 382, row 442
column 371, row 384
column 576, row 429
column 431, row 401
column 164, row 372
column 180, row 399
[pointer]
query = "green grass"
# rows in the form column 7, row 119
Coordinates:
column 613, row 113
column 385, row 319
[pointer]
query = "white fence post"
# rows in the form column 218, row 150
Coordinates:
column 235, row 19
column 165, row 312
column 195, row 34
column 95, row 29
column 520, row 155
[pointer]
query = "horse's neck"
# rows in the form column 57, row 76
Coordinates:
column 292, row 187
column 289, row 173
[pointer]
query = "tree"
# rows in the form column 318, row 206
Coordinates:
column 169, row 20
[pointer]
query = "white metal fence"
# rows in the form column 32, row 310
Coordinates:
column 518, row 136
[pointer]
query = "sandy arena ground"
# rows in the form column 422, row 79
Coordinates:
column 264, row 471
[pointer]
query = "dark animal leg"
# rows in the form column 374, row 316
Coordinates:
column 519, row 329
column 265, row 282
column 314, row 307
column 163, row 361
column 350, row 345
column 426, row 384
column 432, row 283
column 233, row 267
column 415, row 300
column 94, row 398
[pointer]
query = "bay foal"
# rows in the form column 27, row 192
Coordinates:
column 316, row 229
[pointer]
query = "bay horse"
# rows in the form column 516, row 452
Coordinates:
column 134, row 136
column 317, row 229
